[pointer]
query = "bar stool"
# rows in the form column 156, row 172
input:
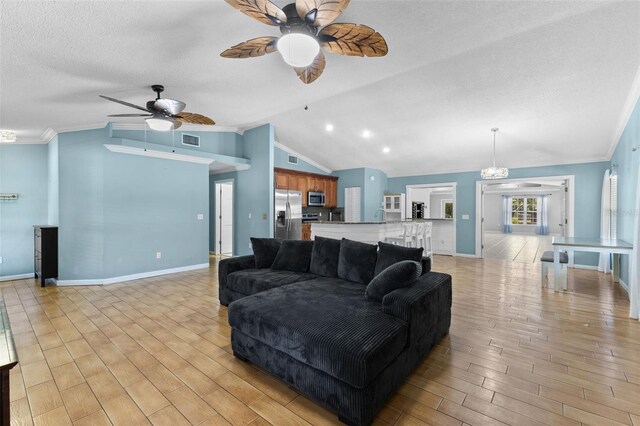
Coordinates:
column 428, row 247
column 418, row 235
column 546, row 262
column 403, row 239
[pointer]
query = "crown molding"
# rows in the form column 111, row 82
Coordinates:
column 302, row 157
column 625, row 114
column 183, row 128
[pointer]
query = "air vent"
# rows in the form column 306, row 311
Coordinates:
column 293, row 159
column 190, row 140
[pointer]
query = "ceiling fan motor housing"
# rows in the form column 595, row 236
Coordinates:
column 296, row 25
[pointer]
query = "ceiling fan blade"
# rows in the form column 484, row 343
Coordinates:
column 261, row 10
column 353, row 40
column 171, row 106
column 327, row 10
column 124, row 103
column 252, row 48
column 311, row 73
column 190, row 117
column 130, row 115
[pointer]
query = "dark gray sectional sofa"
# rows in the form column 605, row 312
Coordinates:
column 322, row 336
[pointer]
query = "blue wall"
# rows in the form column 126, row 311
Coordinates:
column 371, row 191
column 23, row 169
column 281, row 160
column 53, row 183
column 252, row 191
column 627, row 165
column 117, row 210
column 588, row 193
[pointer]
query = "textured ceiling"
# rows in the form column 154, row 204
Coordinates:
column 554, row 76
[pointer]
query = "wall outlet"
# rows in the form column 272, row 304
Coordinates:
column 158, row 255
column 264, row 216
column 200, row 216
column 465, row 217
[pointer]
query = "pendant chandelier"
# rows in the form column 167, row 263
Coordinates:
column 494, row 172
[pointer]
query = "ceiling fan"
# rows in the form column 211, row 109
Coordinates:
column 306, row 25
column 164, row 114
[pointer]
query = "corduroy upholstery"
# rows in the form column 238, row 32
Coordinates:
column 398, row 275
column 252, row 281
column 424, row 307
column 325, row 323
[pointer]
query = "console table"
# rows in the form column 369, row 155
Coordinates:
column 8, row 360
column 597, row 245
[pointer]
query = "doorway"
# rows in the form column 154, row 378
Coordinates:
column 435, row 203
column 516, row 219
column 224, row 218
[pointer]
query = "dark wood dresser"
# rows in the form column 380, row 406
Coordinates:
column 45, row 243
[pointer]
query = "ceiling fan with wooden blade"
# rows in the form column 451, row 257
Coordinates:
column 162, row 113
column 306, row 27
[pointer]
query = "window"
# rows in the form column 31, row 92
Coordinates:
column 447, row 209
column 524, row 211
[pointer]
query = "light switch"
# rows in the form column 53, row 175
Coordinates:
column 0, row 259
column 264, row 216
column 249, row 215
column 200, row 216
column 465, row 217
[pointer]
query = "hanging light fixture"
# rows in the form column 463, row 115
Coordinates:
column 494, row 172
column 298, row 49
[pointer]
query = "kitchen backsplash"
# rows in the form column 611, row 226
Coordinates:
column 338, row 212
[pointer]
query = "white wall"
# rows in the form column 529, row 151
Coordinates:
column 436, row 203
column 493, row 214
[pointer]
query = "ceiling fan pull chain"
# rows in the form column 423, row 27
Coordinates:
column 145, row 135
column 173, row 138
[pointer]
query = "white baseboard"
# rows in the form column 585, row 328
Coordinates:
column 465, row 255
column 16, row 277
column 132, row 277
column 623, row 285
column 590, row 267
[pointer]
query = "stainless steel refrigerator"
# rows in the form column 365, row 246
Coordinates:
column 288, row 205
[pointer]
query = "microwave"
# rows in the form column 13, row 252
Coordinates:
column 315, row 199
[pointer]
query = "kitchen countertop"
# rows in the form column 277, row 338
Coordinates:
column 324, row 222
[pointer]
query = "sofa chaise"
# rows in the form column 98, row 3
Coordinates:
column 315, row 315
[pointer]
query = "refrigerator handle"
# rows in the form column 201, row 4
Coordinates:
column 288, row 218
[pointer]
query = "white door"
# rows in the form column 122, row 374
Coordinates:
column 224, row 218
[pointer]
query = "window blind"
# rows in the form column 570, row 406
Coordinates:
column 352, row 204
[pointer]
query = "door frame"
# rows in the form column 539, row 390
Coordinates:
column 217, row 224
column 570, row 217
column 454, row 186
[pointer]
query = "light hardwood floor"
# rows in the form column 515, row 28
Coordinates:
column 526, row 248
column 157, row 351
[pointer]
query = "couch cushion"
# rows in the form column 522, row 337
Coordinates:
column 357, row 261
column 250, row 281
column 325, row 323
column 400, row 274
column 294, row 256
column 265, row 251
column 390, row 254
column 325, row 256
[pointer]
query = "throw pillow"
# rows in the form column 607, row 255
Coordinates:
column 399, row 275
column 357, row 261
column 294, row 256
column 324, row 257
column 265, row 251
column 390, row 254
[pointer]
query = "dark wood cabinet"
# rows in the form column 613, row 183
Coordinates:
column 305, row 182
column 45, row 256
column 306, row 231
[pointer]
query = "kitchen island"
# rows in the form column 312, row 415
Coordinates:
column 372, row 232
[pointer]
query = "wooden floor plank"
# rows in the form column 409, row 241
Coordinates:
column 157, row 350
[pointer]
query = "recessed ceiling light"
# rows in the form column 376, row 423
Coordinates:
column 7, row 136
column 329, row 127
column 366, row 133
column 386, row 149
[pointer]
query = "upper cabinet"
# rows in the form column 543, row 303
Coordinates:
column 308, row 182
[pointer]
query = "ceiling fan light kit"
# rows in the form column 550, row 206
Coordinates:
column 494, row 172
column 163, row 114
column 306, row 27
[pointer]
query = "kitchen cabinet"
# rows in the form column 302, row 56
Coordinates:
column 306, row 231
column 394, row 206
column 306, row 182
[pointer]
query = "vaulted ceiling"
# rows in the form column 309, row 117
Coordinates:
column 554, row 76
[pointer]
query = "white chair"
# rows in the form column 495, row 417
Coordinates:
column 418, row 235
column 428, row 246
column 546, row 262
column 404, row 239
